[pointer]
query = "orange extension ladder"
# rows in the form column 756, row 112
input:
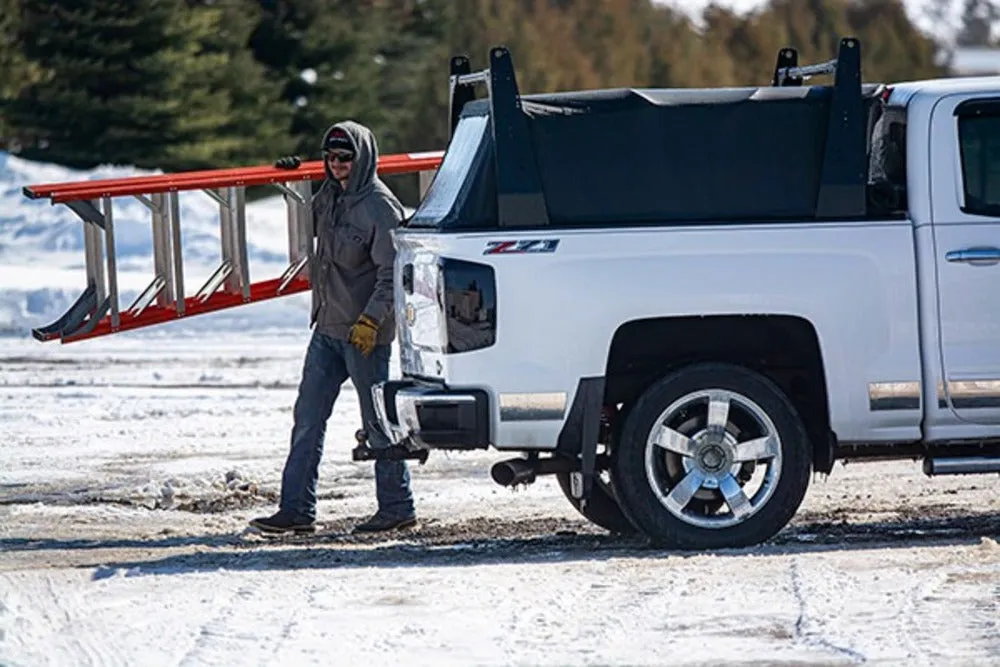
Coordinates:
column 96, row 312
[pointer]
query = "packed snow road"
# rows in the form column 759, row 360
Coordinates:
column 129, row 468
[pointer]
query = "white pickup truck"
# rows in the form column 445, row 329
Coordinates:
column 685, row 302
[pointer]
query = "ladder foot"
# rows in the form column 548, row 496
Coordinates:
column 88, row 326
column 72, row 319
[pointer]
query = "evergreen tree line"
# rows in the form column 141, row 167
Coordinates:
column 186, row 84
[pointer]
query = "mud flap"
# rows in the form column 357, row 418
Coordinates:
column 578, row 438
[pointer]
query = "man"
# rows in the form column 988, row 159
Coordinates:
column 352, row 310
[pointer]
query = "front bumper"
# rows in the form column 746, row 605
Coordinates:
column 432, row 416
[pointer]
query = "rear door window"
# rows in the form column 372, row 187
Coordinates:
column 979, row 146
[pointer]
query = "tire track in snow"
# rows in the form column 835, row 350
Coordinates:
column 248, row 622
column 954, row 615
column 804, row 632
column 292, row 623
column 219, row 626
column 98, row 651
column 54, row 617
column 913, row 633
column 981, row 619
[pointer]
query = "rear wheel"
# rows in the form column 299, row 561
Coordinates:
column 712, row 456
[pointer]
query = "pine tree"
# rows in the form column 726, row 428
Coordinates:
column 681, row 57
column 892, row 47
column 978, row 17
column 15, row 71
column 126, row 82
column 259, row 116
column 326, row 54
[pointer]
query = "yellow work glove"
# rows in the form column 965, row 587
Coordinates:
column 363, row 334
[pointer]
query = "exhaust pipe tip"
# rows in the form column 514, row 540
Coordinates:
column 512, row 471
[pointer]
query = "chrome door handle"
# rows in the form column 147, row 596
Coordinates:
column 986, row 256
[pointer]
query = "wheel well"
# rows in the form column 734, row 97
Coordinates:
column 783, row 348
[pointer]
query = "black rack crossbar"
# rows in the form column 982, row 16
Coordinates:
column 520, row 198
column 843, row 181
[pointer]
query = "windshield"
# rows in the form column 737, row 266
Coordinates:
column 463, row 193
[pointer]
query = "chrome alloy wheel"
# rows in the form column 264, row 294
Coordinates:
column 713, row 458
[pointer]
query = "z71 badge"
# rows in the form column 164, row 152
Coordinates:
column 520, row 247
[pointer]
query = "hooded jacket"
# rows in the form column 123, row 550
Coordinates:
column 352, row 269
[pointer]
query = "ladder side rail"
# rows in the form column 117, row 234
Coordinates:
column 61, row 193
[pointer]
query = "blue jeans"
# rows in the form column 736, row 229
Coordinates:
column 329, row 363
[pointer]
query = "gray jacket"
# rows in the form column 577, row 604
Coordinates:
column 351, row 272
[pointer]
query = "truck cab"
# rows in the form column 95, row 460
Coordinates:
column 683, row 303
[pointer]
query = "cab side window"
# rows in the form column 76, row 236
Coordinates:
column 979, row 145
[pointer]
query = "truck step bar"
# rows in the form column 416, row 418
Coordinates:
column 97, row 311
column 959, row 465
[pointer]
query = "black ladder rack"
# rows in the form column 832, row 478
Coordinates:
column 843, row 180
column 520, row 199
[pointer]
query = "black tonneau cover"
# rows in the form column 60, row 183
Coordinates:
column 681, row 155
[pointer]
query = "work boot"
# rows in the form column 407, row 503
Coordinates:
column 380, row 522
column 283, row 523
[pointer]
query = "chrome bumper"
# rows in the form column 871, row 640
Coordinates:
column 432, row 416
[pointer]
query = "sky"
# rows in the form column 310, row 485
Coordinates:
column 914, row 7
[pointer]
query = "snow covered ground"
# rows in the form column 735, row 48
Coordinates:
column 129, row 467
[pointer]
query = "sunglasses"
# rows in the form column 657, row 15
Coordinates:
column 340, row 157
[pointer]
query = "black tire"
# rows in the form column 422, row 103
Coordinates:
column 790, row 456
column 602, row 507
